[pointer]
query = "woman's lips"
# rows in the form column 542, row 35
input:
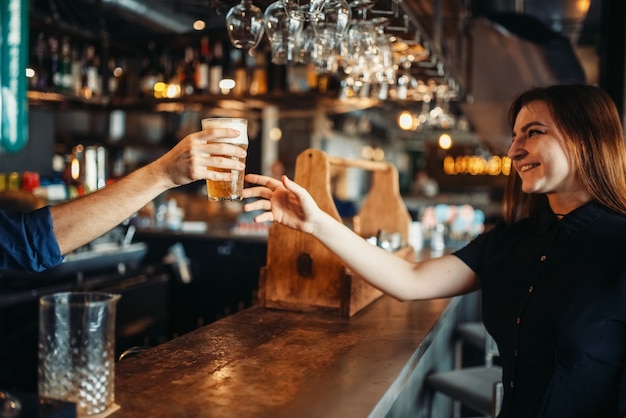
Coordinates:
column 526, row 167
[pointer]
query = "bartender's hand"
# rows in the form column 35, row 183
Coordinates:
column 283, row 201
column 191, row 158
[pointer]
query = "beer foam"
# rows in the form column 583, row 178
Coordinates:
column 239, row 124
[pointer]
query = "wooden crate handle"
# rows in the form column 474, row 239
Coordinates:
column 382, row 208
column 364, row 164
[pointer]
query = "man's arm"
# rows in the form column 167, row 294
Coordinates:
column 79, row 221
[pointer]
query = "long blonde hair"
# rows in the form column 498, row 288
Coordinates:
column 591, row 125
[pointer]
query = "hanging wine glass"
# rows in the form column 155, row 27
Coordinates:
column 384, row 66
column 244, row 23
column 302, row 9
column 304, row 44
column 330, row 24
column 360, row 42
column 283, row 32
column 331, row 19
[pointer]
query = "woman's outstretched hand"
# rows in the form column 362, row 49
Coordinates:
column 282, row 201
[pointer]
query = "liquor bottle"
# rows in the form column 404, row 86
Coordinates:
column 312, row 77
column 90, row 74
column 65, row 67
column 258, row 83
column 216, row 70
column 113, row 77
column 249, row 57
column 76, row 69
column 128, row 81
column 240, row 72
column 94, row 76
column 276, row 78
column 202, row 67
column 152, row 72
column 53, row 46
column 187, row 72
column 172, row 77
column 40, row 64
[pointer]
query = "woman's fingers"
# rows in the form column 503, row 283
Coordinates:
column 293, row 187
column 261, row 180
column 258, row 191
column 261, row 204
column 264, row 217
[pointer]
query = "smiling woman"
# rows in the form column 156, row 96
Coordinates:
column 568, row 148
column 541, row 158
column 553, row 286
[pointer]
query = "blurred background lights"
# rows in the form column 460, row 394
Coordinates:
column 276, row 134
column 405, row 120
column 445, row 141
column 226, row 85
column 367, row 152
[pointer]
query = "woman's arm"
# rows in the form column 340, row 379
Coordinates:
column 289, row 204
column 79, row 221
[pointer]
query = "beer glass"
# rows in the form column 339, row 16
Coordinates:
column 227, row 190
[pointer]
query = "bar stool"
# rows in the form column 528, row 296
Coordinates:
column 478, row 388
column 474, row 334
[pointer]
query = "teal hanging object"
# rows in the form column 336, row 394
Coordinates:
column 13, row 83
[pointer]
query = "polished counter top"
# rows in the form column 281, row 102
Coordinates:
column 200, row 235
column 262, row 362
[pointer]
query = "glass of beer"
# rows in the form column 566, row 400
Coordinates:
column 228, row 190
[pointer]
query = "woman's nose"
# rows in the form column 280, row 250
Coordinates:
column 516, row 151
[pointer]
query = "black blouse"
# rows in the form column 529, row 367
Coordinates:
column 554, row 299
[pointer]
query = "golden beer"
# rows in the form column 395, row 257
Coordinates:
column 228, row 190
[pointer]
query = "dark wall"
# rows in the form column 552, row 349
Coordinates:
column 37, row 154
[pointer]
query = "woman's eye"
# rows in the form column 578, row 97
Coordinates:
column 533, row 132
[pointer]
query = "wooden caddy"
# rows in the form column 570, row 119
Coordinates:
column 303, row 275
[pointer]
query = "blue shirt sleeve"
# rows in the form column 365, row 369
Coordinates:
column 27, row 241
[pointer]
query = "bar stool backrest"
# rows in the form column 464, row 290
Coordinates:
column 491, row 349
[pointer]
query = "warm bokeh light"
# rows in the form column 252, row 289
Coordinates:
column 75, row 164
column 75, row 168
column 276, row 134
column 405, row 120
column 226, row 85
column 373, row 153
column 379, row 154
column 160, row 90
column 172, row 91
column 583, row 6
column 506, row 166
column 367, row 152
column 476, row 165
column 199, row 25
column 445, row 141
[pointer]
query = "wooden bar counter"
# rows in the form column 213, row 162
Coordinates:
column 264, row 362
column 336, row 347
